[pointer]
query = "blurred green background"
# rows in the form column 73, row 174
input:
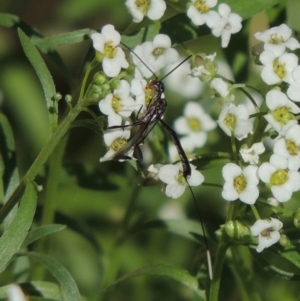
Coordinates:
column 102, row 241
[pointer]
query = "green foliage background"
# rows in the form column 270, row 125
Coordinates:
column 113, row 247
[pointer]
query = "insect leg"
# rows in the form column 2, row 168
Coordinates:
column 184, row 160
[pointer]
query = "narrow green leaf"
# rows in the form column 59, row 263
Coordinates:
column 91, row 124
column 43, row 289
column 15, row 234
column 40, row 232
column 68, row 284
column 247, row 9
column 65, row 38
column 39, row 66
column 178, row 274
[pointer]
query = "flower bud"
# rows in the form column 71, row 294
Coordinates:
column 297, row 218
column 115, row 84
column 236, row 229
column 99, row 78
column 284, row 240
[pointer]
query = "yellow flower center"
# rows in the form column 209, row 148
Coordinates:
column 230, row 121
column 118, row 144
column 116, row 103
column 158, row 51
column 194, row 124
column 279, row 69
column 181, row 179
column 109, row 50
column 201, row 6
column 143, row 5
column 240, row 183
column 279, row 177
column 291, row 147
column 275, row 39
column 266, row 232
column 283, row 115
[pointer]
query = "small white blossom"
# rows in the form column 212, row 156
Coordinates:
column 281, row 111
column 200, row 13
column 267, row 232
column 195, row 123
column 235, row 120
column 240, row 184
column 155, row 55
column 15, row 293
column 153, row 9
column 283, row 182
column 118, row 103
column 207, row 68
column 251, row 155
column 222, row 89
column 230, row 24
column 293, row 90
column 277, row 69
column 106, row 43
column 277, row 39
column 172, row 175
column 115, row 139
column 289, row 147
column 273, row 202
column 181, row 82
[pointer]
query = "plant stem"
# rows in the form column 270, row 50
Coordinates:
column 43, row 156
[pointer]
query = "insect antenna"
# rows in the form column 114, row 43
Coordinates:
column 176, row 67
column 139, row 59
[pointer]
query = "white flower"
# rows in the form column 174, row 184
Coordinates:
column 230, row 24
column 140, row 91
column 181, row 82
column 289, row 147
column 172, row 175
column 283, row 182
column 235, row 119
column 155, row 55
column 207, row 68
column 280, row 116
column 273, row 202
column 277, row 69
column 195, row 123
column 118, row 103
column 267, row 232
column 240, row 184
column 222, row 89
column 153, row 9
column 186, row 144
column 251, row 155
column 15, row 293
column 115, row 139
column 106, row 43
column 277, row 39
column 293, row 90
column 199, row 12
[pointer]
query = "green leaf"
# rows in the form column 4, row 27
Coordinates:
column 292, row 11
column 40, row 232
column 178, row 274
column 39, row 66
column 65, row 38
column 12, row 21
column 44, row 289
column 68, row 284
column 247, row 9
column 8, row 156
column 15, row 234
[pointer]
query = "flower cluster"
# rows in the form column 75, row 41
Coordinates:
column 223, row 22
column 124, row 98
column 281, row 174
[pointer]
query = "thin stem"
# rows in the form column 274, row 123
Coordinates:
column 255, row 212
column 234, row 150
column 41, row 159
